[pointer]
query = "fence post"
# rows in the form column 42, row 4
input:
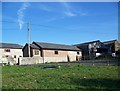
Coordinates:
column 108, row 63
column 93, row 63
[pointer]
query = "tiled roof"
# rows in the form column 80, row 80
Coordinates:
column 56, row 46
column 34, row 46
column 10, row 45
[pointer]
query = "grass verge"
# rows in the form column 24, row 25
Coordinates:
column 65, row 77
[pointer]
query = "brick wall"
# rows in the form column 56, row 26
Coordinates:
column 51, row 53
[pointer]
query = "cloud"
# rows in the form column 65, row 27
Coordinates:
column 70, row 14
column 51, row 19
column 83, row 13
column 45, row 8
column 54, row 19
column 68, row 10
column 63, row 10
column 20, row 14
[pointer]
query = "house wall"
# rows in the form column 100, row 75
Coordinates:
column 62, row 56
column 1, row 52
column 73, row 55
column 51, row 53
column 34, row 55
column 12, row 53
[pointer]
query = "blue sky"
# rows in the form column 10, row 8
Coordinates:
column 59, row 22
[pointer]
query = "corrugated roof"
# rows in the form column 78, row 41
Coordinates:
column 86, row 43
column 10, row 45
column 109, row 42
column 56, row 46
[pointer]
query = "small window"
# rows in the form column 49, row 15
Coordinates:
column 7, row 50
column 36, row 52
column 78, row 52
column 6, row 56
column 14, row 56
column 56, row 52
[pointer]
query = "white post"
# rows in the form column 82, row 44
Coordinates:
column 28, row 39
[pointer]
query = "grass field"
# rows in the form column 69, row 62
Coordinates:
column 65, row 77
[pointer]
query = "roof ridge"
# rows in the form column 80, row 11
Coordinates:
column 53, row 43
column 87, row 42
column 9, row 43
column 110, row 40
column 56, row 46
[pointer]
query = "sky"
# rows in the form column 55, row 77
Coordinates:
column 59, row 22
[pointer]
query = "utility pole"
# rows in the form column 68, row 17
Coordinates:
column 29, row 39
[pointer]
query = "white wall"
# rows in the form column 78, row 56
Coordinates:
column 34, row 53
column 55, row 59
column 31, row 60
column 1, row 51
column 72, row 55
column 12, row 53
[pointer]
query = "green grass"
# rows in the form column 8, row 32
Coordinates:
column 66, row 77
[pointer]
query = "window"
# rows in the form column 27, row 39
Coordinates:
column 14, row 56
column 56, row 52
column 7, row 50
column 36, row 52
column 6, row 56
column 78, row 52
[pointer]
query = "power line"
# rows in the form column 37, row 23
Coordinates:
column 8, row 21
column 39, row 25
column 33, row 24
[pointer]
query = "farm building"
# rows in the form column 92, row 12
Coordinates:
column 11, row 52
column 53, row 52
column 91, row 50
column 113, row 47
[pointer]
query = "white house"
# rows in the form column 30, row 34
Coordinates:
column 10, row 52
